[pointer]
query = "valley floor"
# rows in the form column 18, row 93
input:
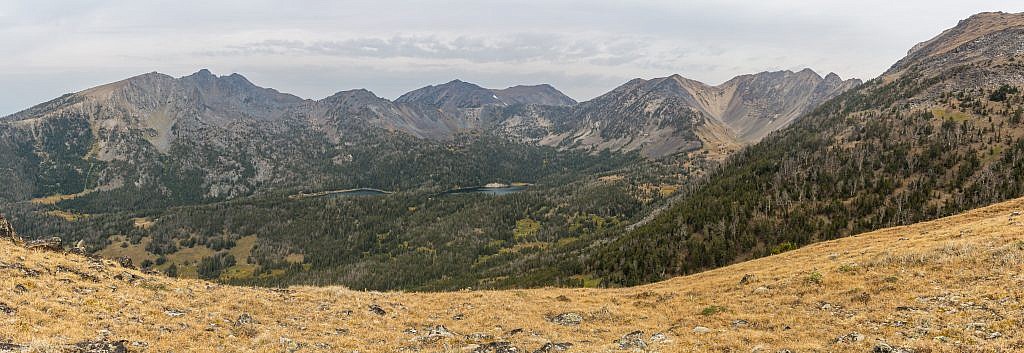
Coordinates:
column 950, row 285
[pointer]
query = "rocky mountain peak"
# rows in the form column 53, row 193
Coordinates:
column 543, row 94
column 359, row 93
column 452, row 95
column 203, row 73
column 832, row 77
column 458, row 94
column 984, row 35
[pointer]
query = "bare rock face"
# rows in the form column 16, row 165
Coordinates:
column 668, row 115
column 7, row 231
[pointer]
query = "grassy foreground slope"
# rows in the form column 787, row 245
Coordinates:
column 949, row 285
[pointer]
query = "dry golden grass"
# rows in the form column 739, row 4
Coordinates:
column 67, row 216
column 950, row 285
column 54, row 199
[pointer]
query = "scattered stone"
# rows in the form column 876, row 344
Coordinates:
column 496, row 347
column 245, row 319
column 849, row 338
column 562, row 298
column 747, row 278
column 515, row 331
column 701, row 329
column 125, row 262
column 740, row 323
column 376, row 309
column 882, row 347
column 127, row 277
column 97, row 265
column 632, row 340
column 174, row 313
column 553, row 347
column 25, row 271
column 6, row 309
column 480, row 336
column 568, row 319
column 51, row 244
column 83, row 275
column 761, row 290
column 101, row 346
column 12, row 348
column 18, row 288
column 659, row 337
column 291, row 345
column 458, row 317
column 436, row 333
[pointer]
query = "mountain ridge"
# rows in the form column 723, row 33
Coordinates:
column 667, row 115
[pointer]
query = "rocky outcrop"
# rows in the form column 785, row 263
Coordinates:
column 376, row 309
column 7, row 231
column 567, row 319
column 51, row 244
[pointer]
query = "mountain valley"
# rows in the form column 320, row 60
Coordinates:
column 775, row 212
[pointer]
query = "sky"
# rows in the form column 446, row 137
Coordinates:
column 584, row 48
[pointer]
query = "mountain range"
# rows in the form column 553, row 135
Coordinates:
column 130, row 127
column 656, row 178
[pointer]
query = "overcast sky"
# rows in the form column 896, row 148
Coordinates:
column 584, row 48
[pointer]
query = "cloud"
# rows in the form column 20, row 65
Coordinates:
column 314, row 48
column 513, row 49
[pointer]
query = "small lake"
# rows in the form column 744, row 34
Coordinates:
column 341, row 193
column 502, row 190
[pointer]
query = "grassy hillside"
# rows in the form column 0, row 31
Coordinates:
column 949, row 285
